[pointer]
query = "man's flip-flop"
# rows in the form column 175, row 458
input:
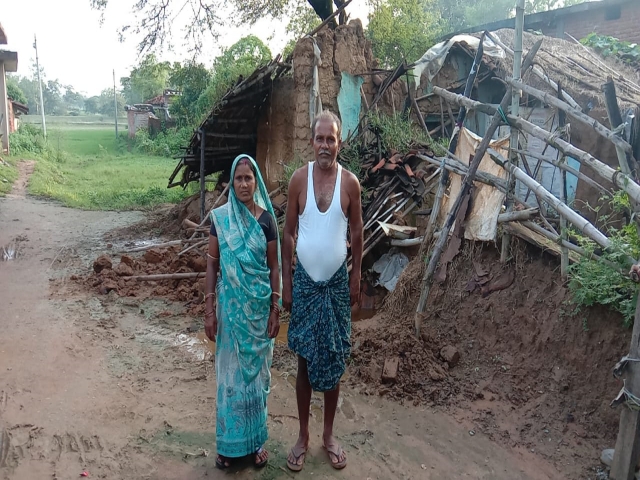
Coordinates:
column 336, row 452
column 294, row 467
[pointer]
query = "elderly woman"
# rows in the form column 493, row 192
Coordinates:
column 243, row 270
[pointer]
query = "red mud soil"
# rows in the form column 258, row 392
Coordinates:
column 531, row 374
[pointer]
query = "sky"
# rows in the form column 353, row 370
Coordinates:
column 75, row 48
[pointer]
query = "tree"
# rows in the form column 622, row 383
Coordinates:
column 191, row 79
column 402, row 29
column 145, row 81
column 105, row 102
column 92, row 105
column 72, row 99
column 30, row 89
column 14, row 92
column 154, row 18
column 242, row 58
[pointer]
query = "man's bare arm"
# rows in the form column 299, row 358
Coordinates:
column 290, row 224
column 356, row 229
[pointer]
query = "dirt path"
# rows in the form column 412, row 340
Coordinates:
column 25, row 169
column 125, row 389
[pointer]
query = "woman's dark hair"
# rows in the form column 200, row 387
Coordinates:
column 248, row 163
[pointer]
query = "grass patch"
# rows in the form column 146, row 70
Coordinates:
column 8, row 175
column 88, row 168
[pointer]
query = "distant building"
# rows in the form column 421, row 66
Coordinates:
column 618, row 18
column 16, row 110
column 153, row 114
column 8, row 63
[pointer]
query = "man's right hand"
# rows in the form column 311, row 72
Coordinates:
column 287, row 297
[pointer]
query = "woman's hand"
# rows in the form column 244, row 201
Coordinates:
column 211, row 325
column 273, row 326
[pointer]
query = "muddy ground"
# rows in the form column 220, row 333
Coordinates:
column 124, row 387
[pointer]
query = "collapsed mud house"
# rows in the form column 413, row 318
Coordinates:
column 268, row 115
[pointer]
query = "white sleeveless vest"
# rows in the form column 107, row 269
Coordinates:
column 322, row 236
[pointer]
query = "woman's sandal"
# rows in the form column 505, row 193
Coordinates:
column 223, row 462
column 261, row 464
column 294, row 467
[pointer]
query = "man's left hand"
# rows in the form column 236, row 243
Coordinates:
column 354, row 288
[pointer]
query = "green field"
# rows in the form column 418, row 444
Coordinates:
column 87, row 167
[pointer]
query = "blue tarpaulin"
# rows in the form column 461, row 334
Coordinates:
column 349, row 103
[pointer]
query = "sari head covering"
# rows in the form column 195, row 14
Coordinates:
column 244, row 291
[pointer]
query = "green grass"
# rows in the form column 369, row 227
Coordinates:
column 8, row 175
column 87, row 168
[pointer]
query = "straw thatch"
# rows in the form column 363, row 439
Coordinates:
column 580, row 70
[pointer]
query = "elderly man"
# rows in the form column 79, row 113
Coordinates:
column 323, row 200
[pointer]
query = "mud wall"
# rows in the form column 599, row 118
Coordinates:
column 285, row 128
column 276, row 132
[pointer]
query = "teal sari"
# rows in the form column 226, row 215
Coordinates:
column 243, row 349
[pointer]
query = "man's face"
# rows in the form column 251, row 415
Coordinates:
column 326, row 143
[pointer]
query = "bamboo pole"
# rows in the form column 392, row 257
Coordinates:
column 564, row 251
column 563, row 209
column 456, row 166
column 203, row 187
column 515, row 111
column 574, row 113
column 464, row 191
column 619, row 179
column 566, row 168
column 627, row 449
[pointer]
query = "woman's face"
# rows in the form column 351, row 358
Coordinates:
column 244, row 183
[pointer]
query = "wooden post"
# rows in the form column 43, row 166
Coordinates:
column 515, row 134
column 564, row 251
column 627, row 449
column 203, row 186
column 464, row 190
column 615, row 118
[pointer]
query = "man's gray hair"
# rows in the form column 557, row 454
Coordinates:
column 326, row 115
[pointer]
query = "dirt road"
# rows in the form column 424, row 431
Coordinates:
column 125, row 389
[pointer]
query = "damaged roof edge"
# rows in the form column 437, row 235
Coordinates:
column 535, row 19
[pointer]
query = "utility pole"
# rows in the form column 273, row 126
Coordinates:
column 44, row 125
column 115, row 101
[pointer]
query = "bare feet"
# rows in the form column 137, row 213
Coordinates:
column 295, row 460
column 336, row 454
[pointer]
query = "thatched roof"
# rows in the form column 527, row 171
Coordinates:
column 231, row 127
column 580, row 70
